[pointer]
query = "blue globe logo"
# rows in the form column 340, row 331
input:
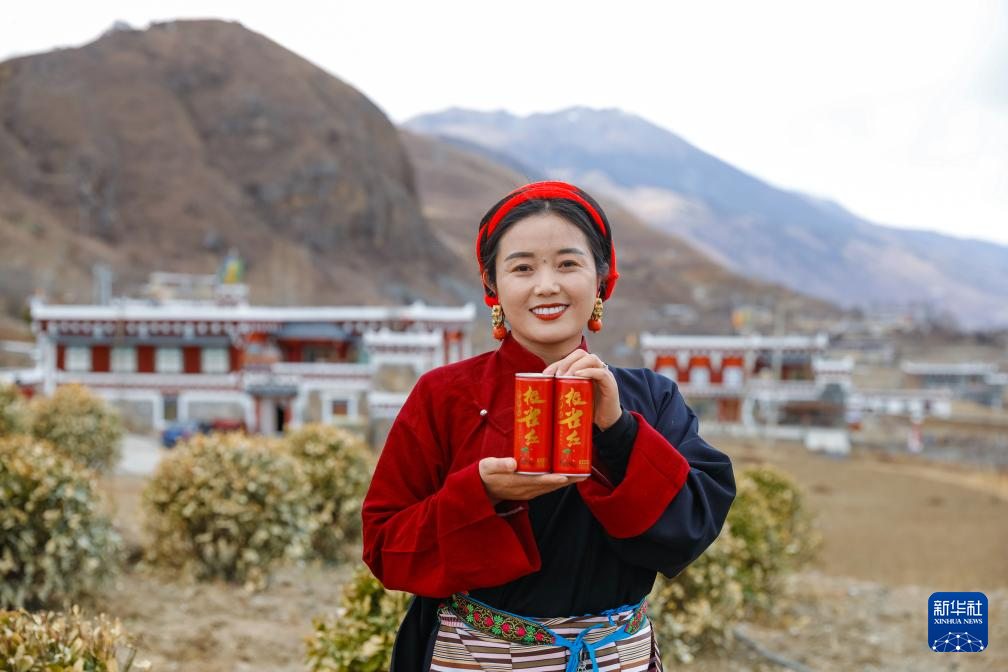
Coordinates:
column 957, row 641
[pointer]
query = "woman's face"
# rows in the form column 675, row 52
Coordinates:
column 546, row 283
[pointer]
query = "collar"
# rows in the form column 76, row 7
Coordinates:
column 522, row 360
column 498, row 397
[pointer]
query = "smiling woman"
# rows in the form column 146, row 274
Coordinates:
column 545, row 274
column 547, row 571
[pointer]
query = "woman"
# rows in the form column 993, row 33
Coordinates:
column 539, row 572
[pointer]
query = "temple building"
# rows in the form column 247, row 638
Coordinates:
column 744, row 379
column 196, row 350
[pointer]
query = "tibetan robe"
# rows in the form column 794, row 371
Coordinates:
column 429, row 527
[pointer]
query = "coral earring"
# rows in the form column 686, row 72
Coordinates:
column 595, row 323
column 497, row 322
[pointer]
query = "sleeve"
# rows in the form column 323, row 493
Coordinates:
column 612, row 447
column 674, row 499
column 433, row 534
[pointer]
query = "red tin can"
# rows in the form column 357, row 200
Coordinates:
column 533, row 423
column 572, row 429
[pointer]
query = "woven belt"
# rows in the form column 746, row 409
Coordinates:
column 520, row 630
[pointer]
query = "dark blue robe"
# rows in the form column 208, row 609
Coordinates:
column 660, row 499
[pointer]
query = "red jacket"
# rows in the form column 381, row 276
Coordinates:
column 428, row 524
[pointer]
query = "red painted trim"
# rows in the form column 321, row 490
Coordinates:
column 100, row 358
column 191, row 359
column 145, row 359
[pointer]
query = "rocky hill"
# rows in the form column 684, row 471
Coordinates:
column 161, row 149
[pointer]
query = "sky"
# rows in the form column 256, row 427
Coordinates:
column 896, row 110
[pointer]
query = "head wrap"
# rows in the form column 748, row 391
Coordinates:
column 548, row 191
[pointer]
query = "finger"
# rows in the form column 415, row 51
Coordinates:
column 591, row 372
column 555, row 366
column 571, row 362
column 549, row 481
column 601, row 377
column 594, row 362
column 499, row 465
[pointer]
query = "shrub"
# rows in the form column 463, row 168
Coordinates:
column 360, row 636
column 697, row 607
column 339, row 466
column 14, row 417
column 66, row 641
column 227, row 506
column 767, row 534
column 54, row 544
column 776, row 531
column 80, row 425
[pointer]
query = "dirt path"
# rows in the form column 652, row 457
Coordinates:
column 899, row 523
column 833, row 624
column 893, row 532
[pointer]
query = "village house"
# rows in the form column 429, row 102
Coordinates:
column 197, row 350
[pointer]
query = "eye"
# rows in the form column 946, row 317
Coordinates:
column 569, row 261
column 521, row 268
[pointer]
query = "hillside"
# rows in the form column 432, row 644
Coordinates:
column 164, row 148
column 754, row 228
column 161, row 149
column 656, row 269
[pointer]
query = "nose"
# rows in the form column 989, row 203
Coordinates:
column 546, row 282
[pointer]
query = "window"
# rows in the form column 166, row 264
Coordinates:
column 77, row 358
column 340, row 408
column 168, row 360
column 732, row 376
column 170, row 408
column 124, row 360
column 699, row 376
column 214, row 360
column 669, row 372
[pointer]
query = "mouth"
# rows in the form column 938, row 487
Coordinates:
column 549, row 312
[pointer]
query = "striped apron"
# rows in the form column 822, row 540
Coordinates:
column 473, row 636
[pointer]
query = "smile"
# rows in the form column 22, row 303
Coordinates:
column 549, row 312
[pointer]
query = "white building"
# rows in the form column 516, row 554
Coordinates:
column 267, row 367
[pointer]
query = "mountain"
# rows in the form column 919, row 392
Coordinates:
column 665, row 283
column 160, row 149
column 759, row 230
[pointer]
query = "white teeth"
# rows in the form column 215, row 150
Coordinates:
column 549, row 311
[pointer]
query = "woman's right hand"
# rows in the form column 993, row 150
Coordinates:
column 502, row 483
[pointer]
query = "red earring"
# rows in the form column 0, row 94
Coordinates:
column 497, row 320
column 595, row 323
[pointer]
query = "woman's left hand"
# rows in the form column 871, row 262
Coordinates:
column 581, row 363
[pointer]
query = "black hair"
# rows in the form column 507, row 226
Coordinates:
column 570, row 210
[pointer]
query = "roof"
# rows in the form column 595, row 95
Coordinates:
column 650, row 341
column 948, row 368
column 207, row 310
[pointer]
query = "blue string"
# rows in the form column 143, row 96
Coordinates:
column 578, row 645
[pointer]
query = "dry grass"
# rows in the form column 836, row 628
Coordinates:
column 895, row 530
column 899, row 520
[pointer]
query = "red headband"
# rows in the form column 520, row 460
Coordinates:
column 547, row 190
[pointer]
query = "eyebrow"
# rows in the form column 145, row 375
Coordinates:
column 566, row 250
